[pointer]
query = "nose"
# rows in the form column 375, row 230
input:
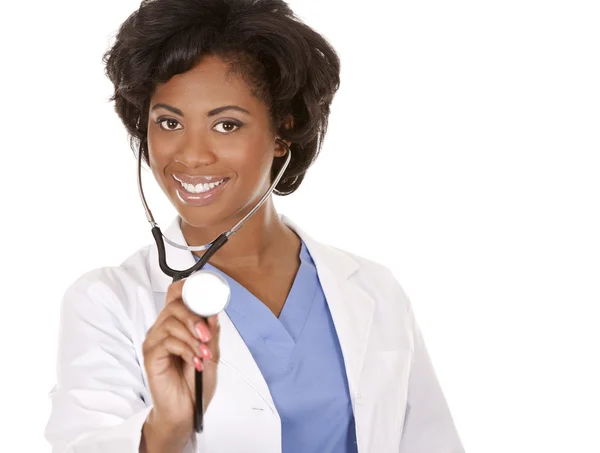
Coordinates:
column 196, row 151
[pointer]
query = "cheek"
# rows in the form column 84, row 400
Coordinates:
column 153, row 162
column 250, row 160
column 157, row 166
column 157, row 175
column 157, row 154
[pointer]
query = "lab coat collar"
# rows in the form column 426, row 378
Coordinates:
column 182, row 259
column 351, row 307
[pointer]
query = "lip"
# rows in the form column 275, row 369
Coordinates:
column 200, row 199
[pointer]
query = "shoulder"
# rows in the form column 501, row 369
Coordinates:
column 113, row 287
column 367, row 268
column 376, row 279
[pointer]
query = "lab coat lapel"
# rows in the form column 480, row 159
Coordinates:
column 233, row 350
column 350, row 306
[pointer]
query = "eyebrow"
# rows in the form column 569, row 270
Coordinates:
column 213, row 112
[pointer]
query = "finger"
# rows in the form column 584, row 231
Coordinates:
column 172, row 326
column 193, row 322
column 173, row 346
column 174, row 300
column 174, row 291
column 212, row 321
column 214, row 327
column 172, row 296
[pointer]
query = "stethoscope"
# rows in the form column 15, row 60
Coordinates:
column 213, row 288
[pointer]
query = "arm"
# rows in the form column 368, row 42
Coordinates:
column 428, row 424
column 99, row 403
column 155, row 439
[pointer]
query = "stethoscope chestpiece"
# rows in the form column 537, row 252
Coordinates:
column 206, row 293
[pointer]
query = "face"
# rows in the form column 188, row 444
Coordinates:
column 210, row 143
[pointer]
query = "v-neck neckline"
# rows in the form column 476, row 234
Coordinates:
column 280, row 334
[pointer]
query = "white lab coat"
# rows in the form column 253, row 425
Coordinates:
column 101, row 398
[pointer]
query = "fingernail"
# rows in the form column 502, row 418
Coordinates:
column 205, row 352
column 203, row 332
column 198, row 363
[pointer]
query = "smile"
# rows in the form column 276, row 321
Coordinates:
column 199, row 188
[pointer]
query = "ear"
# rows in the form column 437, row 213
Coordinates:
column 288, row 123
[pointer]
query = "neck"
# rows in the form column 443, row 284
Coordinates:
column 259, row 239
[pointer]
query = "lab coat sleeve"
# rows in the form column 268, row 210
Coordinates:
column 99, row 401
column 428, row 424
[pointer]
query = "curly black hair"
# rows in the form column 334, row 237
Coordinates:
column 288, row 65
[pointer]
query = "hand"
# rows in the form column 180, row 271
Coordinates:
column 173, row 348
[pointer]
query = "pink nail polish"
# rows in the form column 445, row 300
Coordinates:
column 199, row 333
column 205, row 352
column 202, row 332
column 198, row 363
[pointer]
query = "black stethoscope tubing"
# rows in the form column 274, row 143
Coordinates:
column 210, row 251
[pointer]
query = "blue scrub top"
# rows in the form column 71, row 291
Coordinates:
column 301, row 361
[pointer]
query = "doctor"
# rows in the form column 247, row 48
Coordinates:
column 318, row 350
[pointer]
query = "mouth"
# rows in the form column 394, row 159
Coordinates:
column 200, row 193
column 199, row 188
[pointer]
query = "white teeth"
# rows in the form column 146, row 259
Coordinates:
column 199, row 188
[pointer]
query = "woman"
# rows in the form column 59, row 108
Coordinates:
column 318, row 350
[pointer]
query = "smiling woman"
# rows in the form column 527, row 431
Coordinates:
column 318, row 350
column 200, row 186
column 193, row 144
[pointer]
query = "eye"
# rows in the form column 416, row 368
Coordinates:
column 169, row 121
column 227, row 126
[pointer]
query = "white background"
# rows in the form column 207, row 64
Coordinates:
column 463, row 152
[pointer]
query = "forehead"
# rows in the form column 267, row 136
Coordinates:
column 207, row 84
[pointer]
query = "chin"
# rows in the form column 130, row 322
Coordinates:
column 205, row 217
column 201, row 217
